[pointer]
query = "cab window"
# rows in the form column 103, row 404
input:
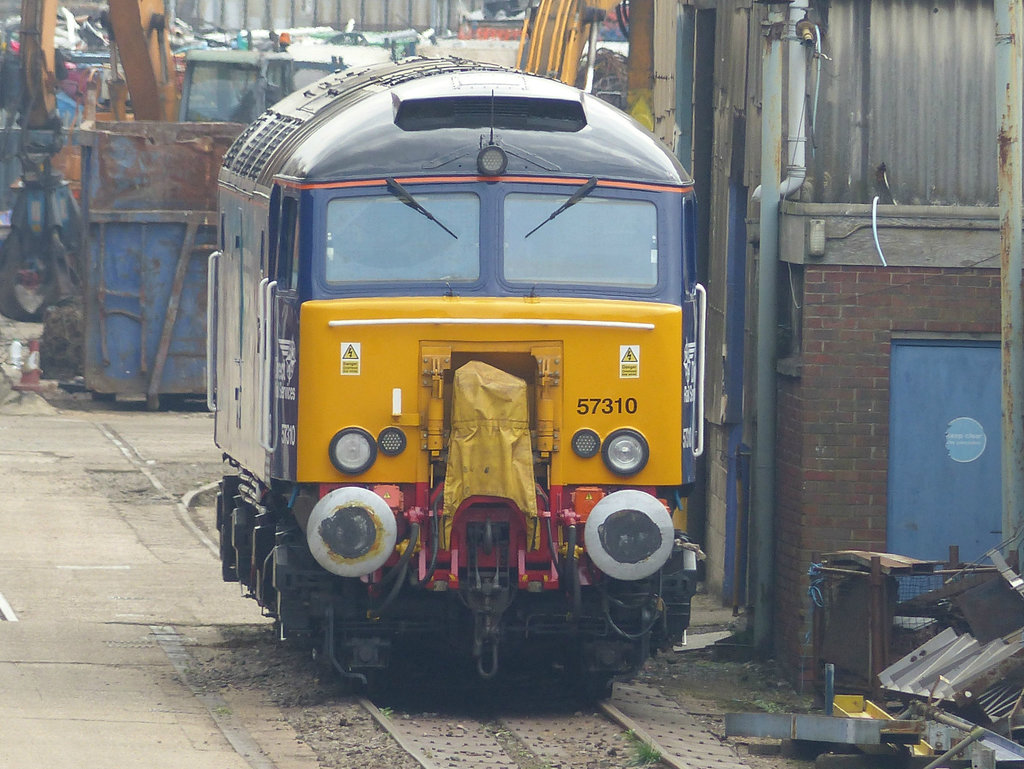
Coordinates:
column 287, row 263
column 595, row 242
column 381, row 238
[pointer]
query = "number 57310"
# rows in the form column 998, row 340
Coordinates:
column 606, row 406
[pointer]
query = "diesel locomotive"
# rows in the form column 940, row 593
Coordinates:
column 455, row 359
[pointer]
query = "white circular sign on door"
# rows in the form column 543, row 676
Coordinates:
column 965, row 439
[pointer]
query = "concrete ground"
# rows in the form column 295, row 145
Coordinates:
column 104, row 584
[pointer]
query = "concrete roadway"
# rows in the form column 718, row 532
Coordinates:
column 105, row 582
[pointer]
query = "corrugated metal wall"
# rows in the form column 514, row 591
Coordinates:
column 910, row 84
column 368, row 14
column 663, row 95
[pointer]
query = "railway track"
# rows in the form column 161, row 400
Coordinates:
column 637, row 719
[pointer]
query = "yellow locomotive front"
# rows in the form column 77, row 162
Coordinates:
column 467, row 404
column 496, row 397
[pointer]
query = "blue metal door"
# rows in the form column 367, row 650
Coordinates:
column 945, row 444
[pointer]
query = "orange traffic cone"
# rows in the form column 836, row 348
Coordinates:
column 30, row 370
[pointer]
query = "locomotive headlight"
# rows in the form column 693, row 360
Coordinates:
column 353, row 450
column 629, row 535
column 625, row 452
column 491, row 161
column 351, row 531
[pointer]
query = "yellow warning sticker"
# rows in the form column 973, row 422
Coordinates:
column 351, row 359
column 629, row 361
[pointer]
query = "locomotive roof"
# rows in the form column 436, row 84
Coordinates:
column 397, row 119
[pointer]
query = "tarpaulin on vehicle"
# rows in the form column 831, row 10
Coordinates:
column 489, row 453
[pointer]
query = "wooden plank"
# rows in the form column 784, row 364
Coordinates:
column 891, row 563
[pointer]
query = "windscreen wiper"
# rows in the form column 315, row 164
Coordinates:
column 585, row 189
column 406, row 197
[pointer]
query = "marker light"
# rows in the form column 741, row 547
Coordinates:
column 492, row 161
column 586, row 443
column 391, row 441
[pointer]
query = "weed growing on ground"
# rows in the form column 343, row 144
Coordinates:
column 644, row 754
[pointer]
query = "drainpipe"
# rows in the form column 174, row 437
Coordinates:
column 763, row 515
column 1008, row 100
column 796, row 135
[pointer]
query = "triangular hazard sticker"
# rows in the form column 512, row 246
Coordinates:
column 630, row 356
column 350, row 354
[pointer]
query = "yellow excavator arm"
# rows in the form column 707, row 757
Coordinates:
column 555, row 34
column 38, row 26
column 141, row 49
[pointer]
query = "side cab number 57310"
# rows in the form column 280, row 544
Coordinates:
column 606, row 406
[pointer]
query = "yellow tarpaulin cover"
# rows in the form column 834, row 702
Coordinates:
column 489, row 452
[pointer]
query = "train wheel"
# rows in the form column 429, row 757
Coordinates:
column 588, row 684
column 227, row 551
column 378, row 685
column 595, row 686
column 240, row 534
column 228, row 571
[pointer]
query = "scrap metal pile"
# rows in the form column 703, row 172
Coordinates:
column 928, row 657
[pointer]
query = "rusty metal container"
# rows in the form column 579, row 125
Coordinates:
column 149, row 201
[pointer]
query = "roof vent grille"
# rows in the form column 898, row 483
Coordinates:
column 500, row 112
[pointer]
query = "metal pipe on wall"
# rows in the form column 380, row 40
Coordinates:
column 686, row 24
column 1009, row 79
column 796, row 96
column 763, row 523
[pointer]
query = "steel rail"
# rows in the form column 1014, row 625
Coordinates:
column 388, row 726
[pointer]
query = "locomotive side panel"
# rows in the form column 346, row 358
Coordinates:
column 241, row 266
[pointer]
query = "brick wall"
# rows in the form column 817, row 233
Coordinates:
column 833, row 417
